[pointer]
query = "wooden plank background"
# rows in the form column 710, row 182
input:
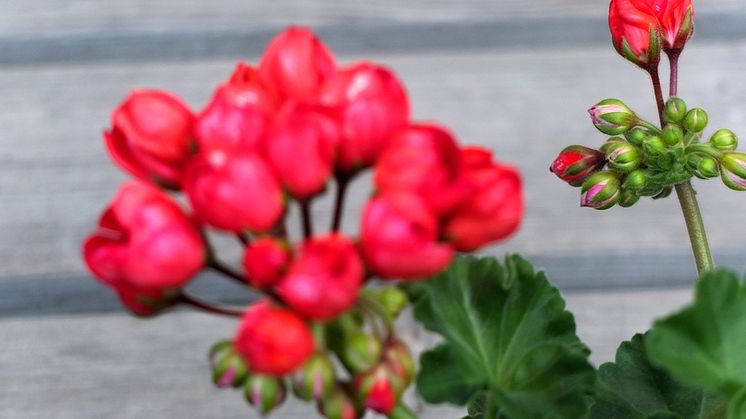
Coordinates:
column 513, row 75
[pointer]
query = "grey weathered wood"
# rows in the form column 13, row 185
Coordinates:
column 118, row 367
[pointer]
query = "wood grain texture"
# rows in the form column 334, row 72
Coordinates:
column 119, row 367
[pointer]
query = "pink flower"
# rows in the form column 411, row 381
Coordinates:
column 424, row 159
column 295, row 64
column 324, row 279
column 144, row 241
column 301, row 148
column 237, row 117
column 265, row 261
column 273, row 340
column 151, row 136
column 493, row 211
column 234, row 192
column 399, row 238
column 372, row 105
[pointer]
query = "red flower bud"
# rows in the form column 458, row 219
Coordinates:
column 265, row 261
column 395, row 225
column 324, row 279
column 145, row 302
column 237, row 117
column 424, row 159
column 676, row 19
column 234, row 192
column 575, row 163
column 273, row 340
column 295, row 64
column 144, row 241
column 493, row 211
column 379, row 389
column 635, row 31
column 301, row 148
column 399, row 358
column 372, row 105
column 151, row 136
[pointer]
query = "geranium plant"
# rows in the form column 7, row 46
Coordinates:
column 275, row 136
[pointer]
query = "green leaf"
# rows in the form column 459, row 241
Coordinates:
column 507, row 335
column 631, row 388
column 704, row 345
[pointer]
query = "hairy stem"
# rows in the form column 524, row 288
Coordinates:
column 695, row 226
column 226, row 270
column 655, row 77
column 673, row 83
column 185, row 298
column 305, row 209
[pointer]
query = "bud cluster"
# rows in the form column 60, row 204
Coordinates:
column 640, row 159
column 271, row 137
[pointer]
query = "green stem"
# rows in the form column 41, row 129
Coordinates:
column 401, row 411
column 491, row 410
column 694, row 226
column 645, row 124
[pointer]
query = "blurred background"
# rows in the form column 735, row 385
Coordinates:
column 513, row 75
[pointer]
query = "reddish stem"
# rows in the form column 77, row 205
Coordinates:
column 185, row 298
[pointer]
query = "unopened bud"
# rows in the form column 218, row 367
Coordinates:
column 600, row 190
column 611, row 142
column 653, row 146
column 636, row 180
column 612, row 117
column 314, row 379
column 695, row 120
column 733, row 170
column 360, row 351
column 576, row 162
column 623, row 156
column 398, row 356
column 338, row 405
column 264, row 392
column 391, row 299
column 675, row 110
column 628, row 198
column 702, row 166
column 636, row 136
column 724, row 140
column 672, row 134
column 379, row 388
column 228, row 368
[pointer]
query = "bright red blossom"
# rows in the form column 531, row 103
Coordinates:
column 493, row 211
column 273, row 340
column 151, row 136
column 324, row 279
column 371, row 105
column 144, row 241
column 399, row 238
column 676, row 18
column 234, row 192
column 424, row 159
column 265, row 261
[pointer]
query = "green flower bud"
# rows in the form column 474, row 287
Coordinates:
column 672, row 134
column 612, row 117
column 228, row 368
column 264, row 392
column 601, row 190
column 702, row 166
column 391, row 299
column 675, row 110
column 339, row 405
column 695, row 120
column 623, row 156
column 733, row 171
column 314, row 379
column 398, row 356
column 609, row 143
column 360, row 351
column 636, row 136
column 636, row 180
column 653, row 146
column 724, row 140
column 664, row 193
column 628, row 198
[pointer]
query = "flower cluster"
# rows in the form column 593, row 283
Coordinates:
column 646, row 160
column 272, row 136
